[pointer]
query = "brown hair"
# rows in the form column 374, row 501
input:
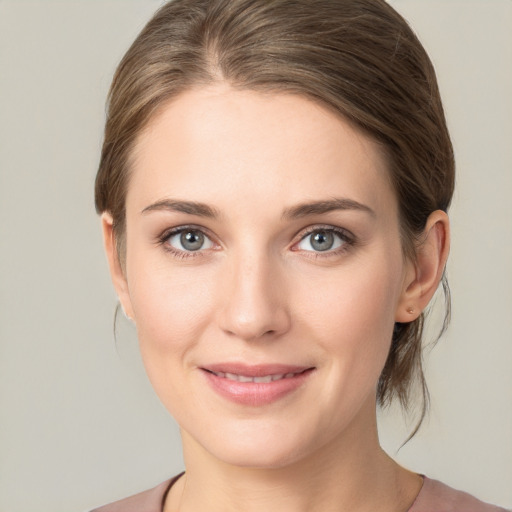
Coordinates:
column 357, row 57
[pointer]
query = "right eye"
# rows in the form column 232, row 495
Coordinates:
column 188, row 240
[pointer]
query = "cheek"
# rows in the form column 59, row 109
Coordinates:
column 351, row 317
column 171, row 306
column 351, row 312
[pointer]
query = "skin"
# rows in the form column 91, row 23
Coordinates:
column 258, row 292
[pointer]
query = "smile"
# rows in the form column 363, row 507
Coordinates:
column 256, row 385
column 262, row 379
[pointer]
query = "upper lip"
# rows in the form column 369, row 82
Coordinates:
column 258, row 370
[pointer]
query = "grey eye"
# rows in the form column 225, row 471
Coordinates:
column 320, row 241
column 190, row 240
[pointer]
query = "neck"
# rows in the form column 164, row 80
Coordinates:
column 349, row 473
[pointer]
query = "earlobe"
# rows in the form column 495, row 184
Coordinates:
column 425, row 273
column 117, row 273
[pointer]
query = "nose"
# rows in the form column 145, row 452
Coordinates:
column 255, row 300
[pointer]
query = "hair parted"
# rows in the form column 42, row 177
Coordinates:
column 358, row 58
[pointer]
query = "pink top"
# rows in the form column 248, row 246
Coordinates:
column 433, row 497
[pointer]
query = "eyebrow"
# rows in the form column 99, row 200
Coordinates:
column 190, row 207
column 319, row 207
column 295, row 212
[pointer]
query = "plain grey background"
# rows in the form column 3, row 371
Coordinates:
column 79, row 423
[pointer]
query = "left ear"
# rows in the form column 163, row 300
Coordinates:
column 425, row 272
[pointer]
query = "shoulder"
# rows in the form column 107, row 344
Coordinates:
column 438, row 497
column 147, row 501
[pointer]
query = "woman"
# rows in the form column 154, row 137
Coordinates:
column 273, row 187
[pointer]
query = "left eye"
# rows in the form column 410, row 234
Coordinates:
column 321, row 240
column 189, row 240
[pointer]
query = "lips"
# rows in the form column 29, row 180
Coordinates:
column 262, row 379
column 255, row 385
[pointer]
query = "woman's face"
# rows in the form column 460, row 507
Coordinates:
column 264, row 272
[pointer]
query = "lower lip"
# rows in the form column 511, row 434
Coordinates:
column 256, row 393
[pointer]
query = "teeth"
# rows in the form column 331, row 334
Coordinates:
column 263, row 380
column 267, row 378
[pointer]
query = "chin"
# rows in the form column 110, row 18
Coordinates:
column 256, row 457
column 259, row 446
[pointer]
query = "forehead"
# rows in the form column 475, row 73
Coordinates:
column 260, row 149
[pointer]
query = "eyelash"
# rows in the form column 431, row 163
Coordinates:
column 346, row 237
column 163, row 240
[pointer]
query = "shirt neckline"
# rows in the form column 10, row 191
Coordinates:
column 178, row 476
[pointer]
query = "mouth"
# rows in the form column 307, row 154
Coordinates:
column 260, row 379
column 256, row 385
